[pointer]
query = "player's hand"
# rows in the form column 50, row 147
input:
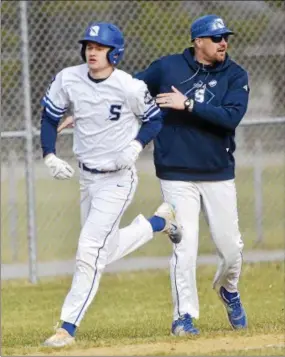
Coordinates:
column 174, row 100
column 67, row 123
column 129, row 155
column 58, row 168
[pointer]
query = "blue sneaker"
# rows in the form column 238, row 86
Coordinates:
column 235, row 310
column 184, row 326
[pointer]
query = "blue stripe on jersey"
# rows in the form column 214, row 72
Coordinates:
column 150, row 113
column 55, row 107
column 54, row 113
column 150, row 128
column 149, row 109
column 154, row 112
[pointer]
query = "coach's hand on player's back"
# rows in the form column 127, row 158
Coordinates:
column 58, row 168
column 129, row 155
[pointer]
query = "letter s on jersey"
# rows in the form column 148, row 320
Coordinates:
column 115, row 112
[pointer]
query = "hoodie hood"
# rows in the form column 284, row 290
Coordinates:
column 189, row 55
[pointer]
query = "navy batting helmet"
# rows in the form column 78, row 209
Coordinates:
column 209, row 25
column 105, row 34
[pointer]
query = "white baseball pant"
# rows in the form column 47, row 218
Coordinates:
column 104, row 199
column 219, row 203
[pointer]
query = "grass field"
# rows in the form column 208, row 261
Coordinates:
column 132, row 314
column 57, row 215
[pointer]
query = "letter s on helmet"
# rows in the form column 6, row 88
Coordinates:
column 209, row 25
column 105, row 34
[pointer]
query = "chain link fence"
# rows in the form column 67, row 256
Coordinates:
column 152, row 29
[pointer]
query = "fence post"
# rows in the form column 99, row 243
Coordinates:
column 13, row 211
column 29, row 145
column 258, row 166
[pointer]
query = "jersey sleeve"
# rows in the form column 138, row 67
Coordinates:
column 55, row 100
column 142, row 103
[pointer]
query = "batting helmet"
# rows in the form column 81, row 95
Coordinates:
column 105, row 34
column 209, row 25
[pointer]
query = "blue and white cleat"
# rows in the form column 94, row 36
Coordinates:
column 172, row 228
column 184, row 326
column 236, row 312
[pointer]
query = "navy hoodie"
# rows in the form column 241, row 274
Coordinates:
column 198, row 146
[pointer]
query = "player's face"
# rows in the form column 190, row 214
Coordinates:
column 96, row 56
column 213, row 49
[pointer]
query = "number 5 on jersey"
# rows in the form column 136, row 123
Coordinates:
column 115, row 112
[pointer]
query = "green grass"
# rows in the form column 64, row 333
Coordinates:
column 57, row 216
column 136, row 308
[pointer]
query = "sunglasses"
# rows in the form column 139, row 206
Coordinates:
column 218, row 39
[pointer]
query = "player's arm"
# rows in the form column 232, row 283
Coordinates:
column 147, row 108
column 55, row 103
column 150, row 115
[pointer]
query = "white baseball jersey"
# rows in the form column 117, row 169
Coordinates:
column 107, row 115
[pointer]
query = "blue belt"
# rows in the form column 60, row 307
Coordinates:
column 94, row 171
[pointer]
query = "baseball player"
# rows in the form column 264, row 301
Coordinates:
column 204, row 96
column 114, row 118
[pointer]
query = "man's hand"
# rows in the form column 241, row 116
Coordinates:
column 174, row 100
column 67, row 123
column 58, row 168
column 129, row 155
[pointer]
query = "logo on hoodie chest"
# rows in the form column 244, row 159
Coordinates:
column 201, row 93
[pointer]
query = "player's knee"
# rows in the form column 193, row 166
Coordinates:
column 92, row 256
column 233, row 252
column 85, row 268
column 88, row 264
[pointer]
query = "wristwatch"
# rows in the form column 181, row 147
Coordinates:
column 189, row 104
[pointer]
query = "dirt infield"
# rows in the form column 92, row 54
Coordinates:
column 179, row 347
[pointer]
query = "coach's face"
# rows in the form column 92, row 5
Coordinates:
column 96, row 56
column 213, row 49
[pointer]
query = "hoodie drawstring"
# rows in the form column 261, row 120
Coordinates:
column 189, row 79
